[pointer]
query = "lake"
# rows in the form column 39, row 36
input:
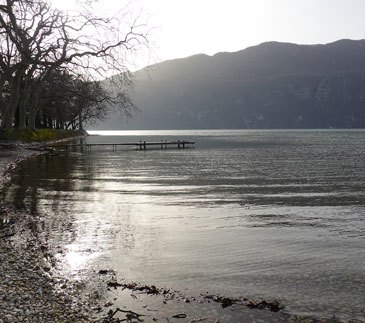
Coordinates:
column 273, row 214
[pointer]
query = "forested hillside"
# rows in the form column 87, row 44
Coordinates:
column 272, row 85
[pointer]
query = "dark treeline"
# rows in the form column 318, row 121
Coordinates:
column 65, row 102
column 51, row 61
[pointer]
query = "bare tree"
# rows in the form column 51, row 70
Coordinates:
column 36, row 39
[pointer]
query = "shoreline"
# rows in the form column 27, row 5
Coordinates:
column 33, row 291
column 30, row 290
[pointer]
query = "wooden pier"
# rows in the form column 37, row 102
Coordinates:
column 140, row 145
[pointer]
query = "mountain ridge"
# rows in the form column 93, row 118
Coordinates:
column 271, row 85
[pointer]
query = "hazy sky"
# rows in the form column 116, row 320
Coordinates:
column 186, row 27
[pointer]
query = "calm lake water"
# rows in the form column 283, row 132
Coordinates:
column 273, row 214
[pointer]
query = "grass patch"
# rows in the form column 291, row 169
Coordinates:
column 38, row 135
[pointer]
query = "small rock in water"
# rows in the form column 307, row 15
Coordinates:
column 180, row 316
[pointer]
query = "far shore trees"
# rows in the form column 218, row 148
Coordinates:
column 51, row 64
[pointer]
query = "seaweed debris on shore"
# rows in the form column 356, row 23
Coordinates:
column 225, row 301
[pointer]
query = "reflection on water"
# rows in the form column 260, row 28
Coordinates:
column 261, row 213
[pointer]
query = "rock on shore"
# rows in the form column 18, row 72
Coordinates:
column 10, row 155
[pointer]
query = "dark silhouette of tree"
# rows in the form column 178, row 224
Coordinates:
column 68, row 102
column 37, row 39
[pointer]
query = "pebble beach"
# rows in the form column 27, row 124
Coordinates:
column 29, row 290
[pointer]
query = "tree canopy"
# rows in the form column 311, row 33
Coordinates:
column 51, row 64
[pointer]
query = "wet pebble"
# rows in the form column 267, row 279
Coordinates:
column 29, row 294
column 29, row 291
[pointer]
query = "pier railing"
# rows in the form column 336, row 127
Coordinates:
column 141, row 145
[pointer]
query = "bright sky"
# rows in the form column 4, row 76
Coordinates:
column 182, row 28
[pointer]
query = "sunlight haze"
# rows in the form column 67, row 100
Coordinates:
column 184, row 28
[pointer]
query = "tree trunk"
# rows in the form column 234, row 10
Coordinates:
column 14, row 98
column 80, row 122
column 33, row 111
column 2, row 113
column 10, row 111
column 24, row 98
column 22, row 114
column 3, row 95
